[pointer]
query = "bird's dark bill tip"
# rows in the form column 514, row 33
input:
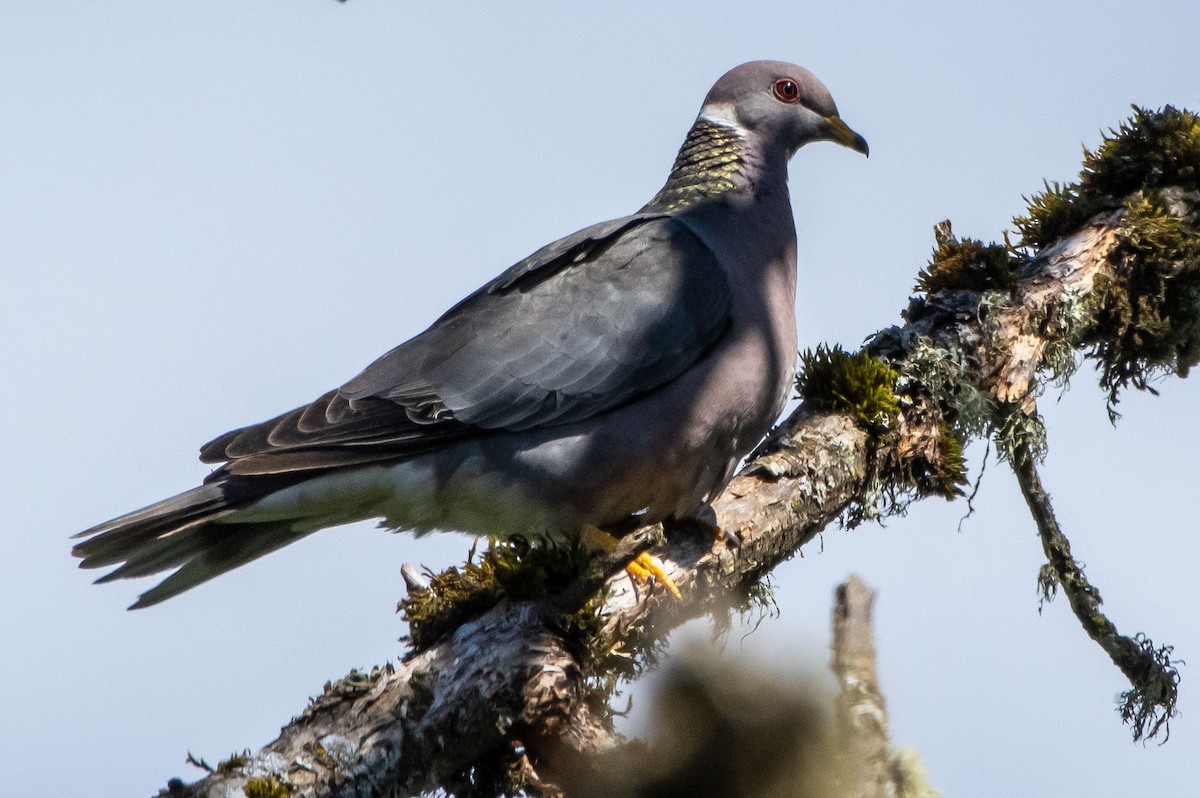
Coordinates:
column 840, row 132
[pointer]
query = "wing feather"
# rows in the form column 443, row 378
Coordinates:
column 580, row 327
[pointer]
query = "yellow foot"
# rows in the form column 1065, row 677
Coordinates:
column 646, row 565
column 640, row 569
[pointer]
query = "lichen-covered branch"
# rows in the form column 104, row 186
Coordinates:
column 1149, row 704
column 509, row 685
column 506, row 694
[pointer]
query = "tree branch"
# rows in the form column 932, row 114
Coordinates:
column 1149, row 704
column 861, row 713
column 495, row 703
column 510, row 679
column 871, row 767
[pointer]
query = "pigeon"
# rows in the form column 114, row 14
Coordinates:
column 614, row 378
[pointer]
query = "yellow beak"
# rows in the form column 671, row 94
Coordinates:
column 842, row 134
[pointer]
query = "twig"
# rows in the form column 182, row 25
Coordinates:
column 1150, row 703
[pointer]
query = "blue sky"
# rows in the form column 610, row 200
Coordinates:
column 213, row 212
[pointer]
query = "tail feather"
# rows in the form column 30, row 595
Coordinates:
column 117, row 540
column 238, row 545
column 186, row 532
column 170, row 550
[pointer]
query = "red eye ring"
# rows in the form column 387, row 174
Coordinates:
column 787, row 90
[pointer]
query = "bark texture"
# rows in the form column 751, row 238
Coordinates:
column 860, row 706
column 496, row 703
column 872, row 767
column 510, row 676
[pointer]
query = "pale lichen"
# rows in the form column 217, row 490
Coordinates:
column 945, row 374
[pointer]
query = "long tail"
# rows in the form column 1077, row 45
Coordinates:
column 186, row 532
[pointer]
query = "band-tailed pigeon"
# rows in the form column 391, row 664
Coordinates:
column 613, row 378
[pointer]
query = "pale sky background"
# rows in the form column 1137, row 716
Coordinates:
column 213, row 212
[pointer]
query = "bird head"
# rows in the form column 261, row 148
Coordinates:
column 779, row 103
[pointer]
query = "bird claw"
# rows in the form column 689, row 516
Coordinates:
column 641, row 569
column 644, row 566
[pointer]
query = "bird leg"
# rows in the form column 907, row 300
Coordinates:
column 706, row 521
column 640, row 569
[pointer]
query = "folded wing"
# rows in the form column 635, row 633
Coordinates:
column 584, row 325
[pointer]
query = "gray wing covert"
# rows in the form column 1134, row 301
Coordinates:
column 580, row 327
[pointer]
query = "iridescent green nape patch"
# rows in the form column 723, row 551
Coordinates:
column 709, row 158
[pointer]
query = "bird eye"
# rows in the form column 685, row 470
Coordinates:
column 787, row 91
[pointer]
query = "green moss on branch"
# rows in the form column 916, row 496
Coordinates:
column 1150, row 151
column 831, row 380
column 970, row 265
column 913, row 452
column 1146, row 311
column 512, row 568
column 266, row 788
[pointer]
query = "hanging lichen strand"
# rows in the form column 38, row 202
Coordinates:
column 949, row 370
